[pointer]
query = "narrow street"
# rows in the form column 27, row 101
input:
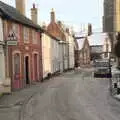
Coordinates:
column 71, row 96
column 48, row 53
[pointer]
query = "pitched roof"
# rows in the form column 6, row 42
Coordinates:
column 54, row 29
column 9, row 12
column 50, row 35
column 80, row 43
column 97, row 39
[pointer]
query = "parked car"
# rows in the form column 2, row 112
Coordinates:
column 102, row 68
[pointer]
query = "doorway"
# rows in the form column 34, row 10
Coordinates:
column 27, row 70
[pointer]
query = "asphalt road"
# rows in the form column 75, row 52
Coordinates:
column 71, row 96
column 74, row 96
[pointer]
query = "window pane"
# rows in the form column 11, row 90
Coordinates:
column 17, row 64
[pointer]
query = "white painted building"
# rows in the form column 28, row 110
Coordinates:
column 46, row 55
column 71, row 46
column 55, row 55
column 50, row 54
column 61, row 56
column 71, row 52
column 2, row 57
column 66, row 55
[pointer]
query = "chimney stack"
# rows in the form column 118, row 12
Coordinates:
column 89, row 29
column 34, row 14
column 20, row 6
column 52, row 15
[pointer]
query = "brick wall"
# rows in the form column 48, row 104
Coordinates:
column 29, row 49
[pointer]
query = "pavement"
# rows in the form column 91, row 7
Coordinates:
column 21, row 96
column 74, row 95
column 18, row 97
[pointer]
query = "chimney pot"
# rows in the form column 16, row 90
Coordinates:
column 34, row 5
column 89, row 29
column 34, row 14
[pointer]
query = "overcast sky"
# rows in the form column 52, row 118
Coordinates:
column 73, row 12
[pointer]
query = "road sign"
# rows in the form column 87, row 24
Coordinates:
column 12, row 42
column 11, row 39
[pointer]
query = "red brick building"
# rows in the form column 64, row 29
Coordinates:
column 23, row 61
column 56, row 29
